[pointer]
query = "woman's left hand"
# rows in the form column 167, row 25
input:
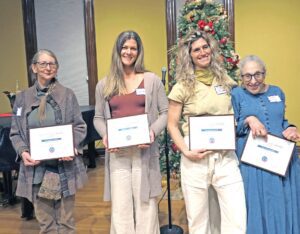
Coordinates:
column 69, row 158
column 152, row 137
column 66, row 159
column 291, row 134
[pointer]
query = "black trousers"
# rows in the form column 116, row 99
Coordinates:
column 26, row 209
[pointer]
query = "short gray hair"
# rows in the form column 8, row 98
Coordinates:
column 252, row 58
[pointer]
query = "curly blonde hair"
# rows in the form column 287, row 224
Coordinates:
column 185, row 69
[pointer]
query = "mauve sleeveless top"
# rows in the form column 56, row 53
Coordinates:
column 128, row 104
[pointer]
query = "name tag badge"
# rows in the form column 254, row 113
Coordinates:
column 140, row 91
column 274, row 98
column 19, row 111
column 220, row 90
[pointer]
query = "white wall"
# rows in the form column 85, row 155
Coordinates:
column 60, row 28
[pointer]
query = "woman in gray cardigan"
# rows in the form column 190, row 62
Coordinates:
column 50, row 184
column 132, row 174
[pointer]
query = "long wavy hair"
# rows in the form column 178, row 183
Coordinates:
column 185, row 68
column 115, row 84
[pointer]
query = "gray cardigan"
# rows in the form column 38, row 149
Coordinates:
column 70, row 113
column 156, row 108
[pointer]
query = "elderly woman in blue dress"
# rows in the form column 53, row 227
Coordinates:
column 273, row 201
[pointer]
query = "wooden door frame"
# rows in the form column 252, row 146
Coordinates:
column 31, row 42
column 91, row 53
column 29, row 34
column 172, row 26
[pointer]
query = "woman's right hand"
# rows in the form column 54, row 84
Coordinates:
column 28, row 161
column 174, row 114
column 196, row 154
column 257, row 128
column 105, row 143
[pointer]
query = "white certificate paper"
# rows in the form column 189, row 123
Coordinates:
column 51, row 142
column 273, row 154
column 212, row 132
column 128, row 131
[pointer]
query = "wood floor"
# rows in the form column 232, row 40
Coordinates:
column 91, row 213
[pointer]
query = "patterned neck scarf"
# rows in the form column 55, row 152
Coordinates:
column 47, row 91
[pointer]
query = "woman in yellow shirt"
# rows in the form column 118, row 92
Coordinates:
column 203, row 88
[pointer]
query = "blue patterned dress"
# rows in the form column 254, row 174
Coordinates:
column 273, row 202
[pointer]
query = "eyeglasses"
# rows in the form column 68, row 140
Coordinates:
column 257, row 76
column 45, row 65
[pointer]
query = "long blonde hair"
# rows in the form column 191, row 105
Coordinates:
column 115, row 84
column 185, row 70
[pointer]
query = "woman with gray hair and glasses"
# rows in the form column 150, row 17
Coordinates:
column 273, row 201
column 49, row 184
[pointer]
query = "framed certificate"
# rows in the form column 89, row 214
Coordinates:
column 212, row 132
column 128, row 131
column 272, row 153
column 51, row 142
